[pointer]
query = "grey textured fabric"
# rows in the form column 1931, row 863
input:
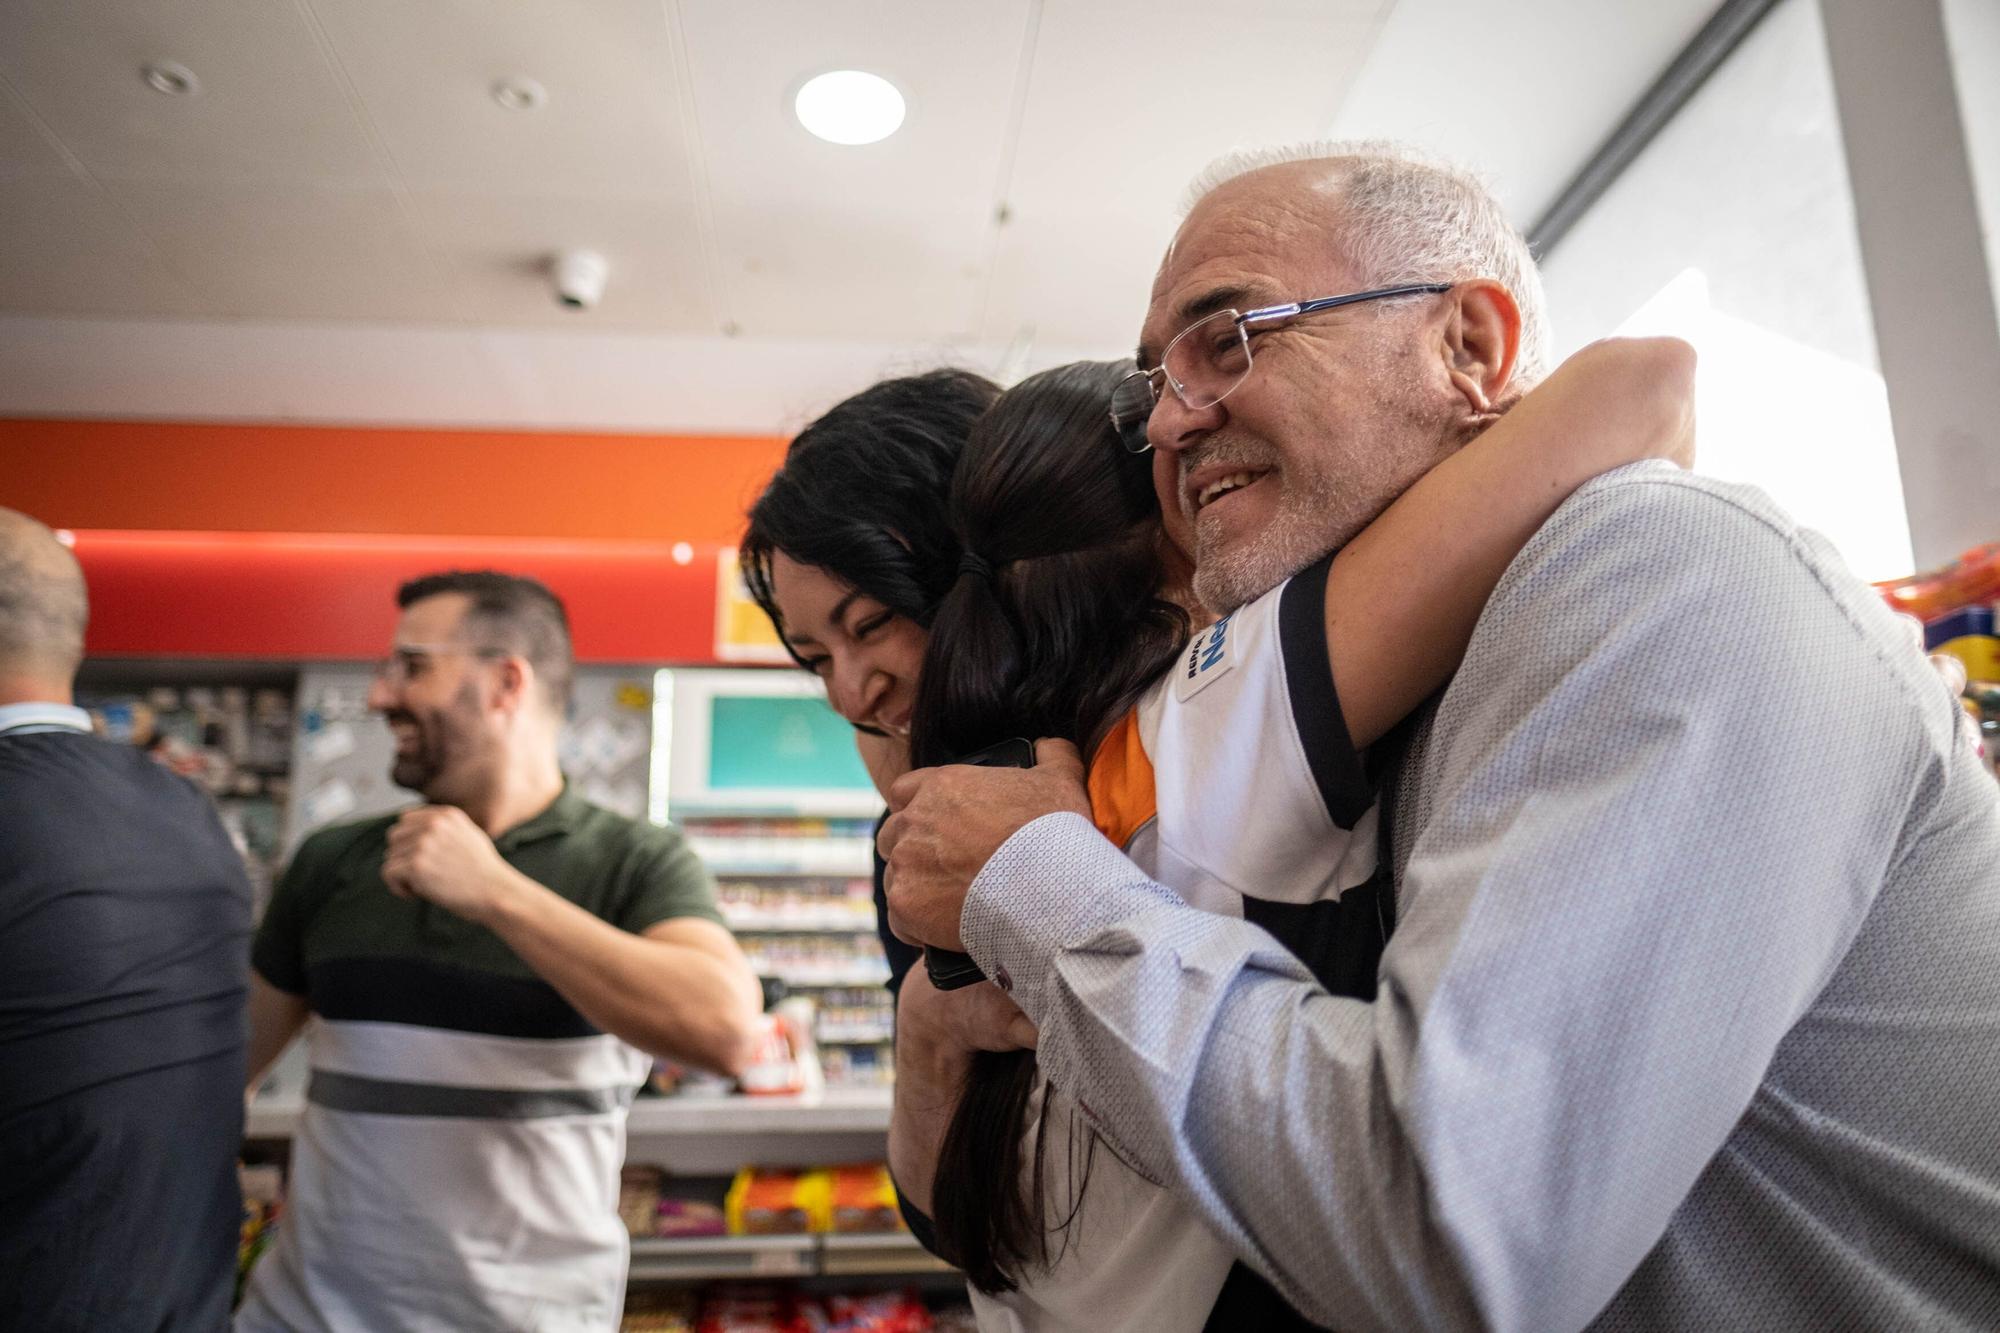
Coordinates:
column 1691, row 1019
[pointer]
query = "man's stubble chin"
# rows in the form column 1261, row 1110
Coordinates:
column 1409, row 429
column 1305, row 528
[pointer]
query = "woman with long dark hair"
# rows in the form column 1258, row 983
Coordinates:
column 853, row 525
column 1051, row 621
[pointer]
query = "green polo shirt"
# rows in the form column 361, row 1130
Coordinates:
column 456, row 1164
column 335, row 934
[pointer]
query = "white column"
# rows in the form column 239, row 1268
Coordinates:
column 1929, row 281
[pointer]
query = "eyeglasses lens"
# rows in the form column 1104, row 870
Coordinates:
column 1208, row 359
column 1131, row 407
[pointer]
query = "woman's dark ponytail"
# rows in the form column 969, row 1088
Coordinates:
column 1052, row 627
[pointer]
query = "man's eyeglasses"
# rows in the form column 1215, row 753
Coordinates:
column 1209, row 358
column 407, row 659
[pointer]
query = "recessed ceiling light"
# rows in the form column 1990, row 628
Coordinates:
column 164, row 76
column 850, row 106
column 519, row 94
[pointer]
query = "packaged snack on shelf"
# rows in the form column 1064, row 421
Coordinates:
column 767, row 1202
column 747, row 1309
column 689, row 1217
column 639, row 1199
column 658, row 1311
column 877, row 1312
column 1969, row 635
column 848, row 1066
column 863, row 1200
column 741, row 1309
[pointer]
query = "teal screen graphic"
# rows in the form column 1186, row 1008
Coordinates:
column 775, row 741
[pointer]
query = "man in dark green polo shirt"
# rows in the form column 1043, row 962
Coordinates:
column 490, row 972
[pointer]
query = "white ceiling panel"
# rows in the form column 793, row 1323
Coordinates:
column 70, row 250
column 344, row 176
column 818, row 239
column 495, row 248
column 1094, row 197
column 24, row 149
column 269, row 106
column 304, row 252
column 217, row 370
column 425, row 74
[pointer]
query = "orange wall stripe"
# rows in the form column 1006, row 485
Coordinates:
column 259, row 478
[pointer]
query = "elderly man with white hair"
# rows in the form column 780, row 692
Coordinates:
column 1691, row 1014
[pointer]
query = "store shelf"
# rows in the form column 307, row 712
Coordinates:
column 764, row 923
column 833, row 1111
column 855, row 1035
column 273, row 1117
column 894, row 1252
column 698, row 1258
column 823, row 857
column 876, row 974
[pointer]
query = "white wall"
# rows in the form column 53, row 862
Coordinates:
column 1973, row 27
column 1735, row 229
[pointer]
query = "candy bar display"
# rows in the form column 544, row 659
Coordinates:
column 843, row 1200
column 659, row 1311
column 770, row 1309
column 651, row 1204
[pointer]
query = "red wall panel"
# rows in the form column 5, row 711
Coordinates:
column 309, row 595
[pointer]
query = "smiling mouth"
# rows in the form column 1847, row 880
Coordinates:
column 1222, row 486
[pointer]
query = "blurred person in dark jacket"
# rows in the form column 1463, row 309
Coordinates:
column 124, row 929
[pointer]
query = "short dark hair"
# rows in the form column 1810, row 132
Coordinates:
column 510, row 612
column 862, row 493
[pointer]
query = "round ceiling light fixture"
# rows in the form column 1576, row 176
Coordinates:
column 165, row 76
column 850, row 106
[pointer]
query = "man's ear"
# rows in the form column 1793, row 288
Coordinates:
column 1482, row 336
column 513, row 683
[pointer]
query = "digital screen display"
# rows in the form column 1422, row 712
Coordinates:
column 766, row 741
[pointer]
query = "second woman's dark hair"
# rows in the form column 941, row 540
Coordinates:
column 1054, row 627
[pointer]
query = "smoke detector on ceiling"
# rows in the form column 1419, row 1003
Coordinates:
column 169, row 77
column 520, row 94
column 579, row 278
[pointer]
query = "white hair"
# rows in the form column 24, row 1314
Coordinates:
column 1408, row 217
